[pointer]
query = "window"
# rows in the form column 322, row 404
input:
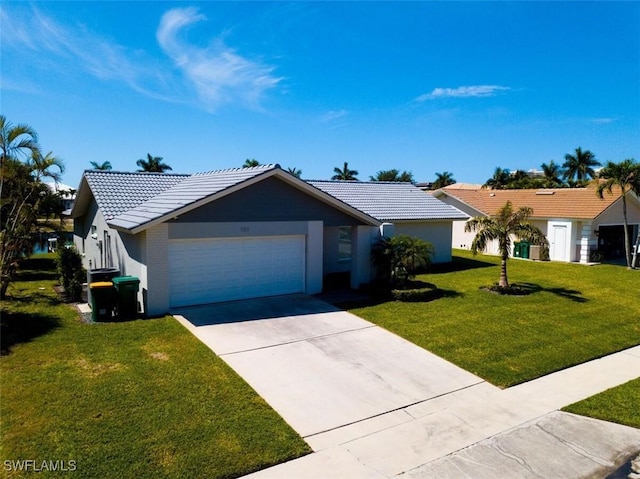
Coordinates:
column 344, row 244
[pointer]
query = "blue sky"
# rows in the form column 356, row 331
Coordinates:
column 419, row 86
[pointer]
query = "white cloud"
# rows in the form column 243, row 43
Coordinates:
column 462, row 92
column 332, row 115
column 602, row 121
column 217, row 72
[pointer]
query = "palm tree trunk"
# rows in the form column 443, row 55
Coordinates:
column 627, row 239
column 503, row 283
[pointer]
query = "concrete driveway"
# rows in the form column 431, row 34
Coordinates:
column 374, row 406
column 319, row 367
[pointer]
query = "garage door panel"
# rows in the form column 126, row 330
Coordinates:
column 213, row 270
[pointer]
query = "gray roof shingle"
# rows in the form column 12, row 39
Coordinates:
column 390, row 201
column 117, row 192
column 190, row 190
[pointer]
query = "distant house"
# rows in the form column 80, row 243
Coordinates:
column 575, row 220
column 244, row 232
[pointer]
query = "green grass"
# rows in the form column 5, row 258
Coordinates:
column 620, row 404
column 574, row 313
column 135, row 399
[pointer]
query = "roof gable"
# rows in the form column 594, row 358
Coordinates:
column 390, row 201
column 576, row 203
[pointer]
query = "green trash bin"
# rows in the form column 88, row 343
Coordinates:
column 524, row 249
column 517, row 249
column 101, row 300
column 126, row 296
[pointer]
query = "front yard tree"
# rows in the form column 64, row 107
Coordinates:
column 624, row 176
column 153, row 164
column 25, row 198
column 501, row 227
column 345, row 173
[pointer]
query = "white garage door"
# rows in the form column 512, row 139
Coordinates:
column 213, row 270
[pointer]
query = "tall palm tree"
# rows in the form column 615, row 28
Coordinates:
column 250, row 163
column 153, row 164
column 501, row 227
column 16, row 141
column 104, row 166
column 295, row 171
column 499, row 180
column 393, row 175
column 552, row 174
column 443, row 179
column 625, row 176
column 579, row 166
column 345, row 173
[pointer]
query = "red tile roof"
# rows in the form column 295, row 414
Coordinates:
column 578, row 203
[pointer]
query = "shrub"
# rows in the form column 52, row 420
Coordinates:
column 399, row 258
column 71, row 272
column 415, row 295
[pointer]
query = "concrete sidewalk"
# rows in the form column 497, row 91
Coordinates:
column 492, row 433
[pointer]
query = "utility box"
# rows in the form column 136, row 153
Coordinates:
column 126, row 288
column 101, row 300
column 534, row 252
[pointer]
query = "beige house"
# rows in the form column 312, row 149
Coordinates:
column 575, row 220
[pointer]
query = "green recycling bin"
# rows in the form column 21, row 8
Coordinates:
column 101, row 300
column 524, row 249
column 126, row 296
column 517, row 249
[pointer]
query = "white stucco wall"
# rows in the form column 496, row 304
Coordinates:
column 438, row 233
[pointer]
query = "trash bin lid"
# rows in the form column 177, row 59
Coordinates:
column 101, row 284
column 125, row 280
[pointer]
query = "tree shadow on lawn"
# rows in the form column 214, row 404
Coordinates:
column 458, row 264
column 570, row 294
column 18, row 327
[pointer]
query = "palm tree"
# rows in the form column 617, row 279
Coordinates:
column 499, row 180
column 345, row 173
column 552, row 174
column 295, row 172
column 104, row 166
column 16, row 141
column 501, row 227
column 579, row 166
column 443, row 179
column 250, row 163
column 393, row 175
column 153, row 164
column 625, row 176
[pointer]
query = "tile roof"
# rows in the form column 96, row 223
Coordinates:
column 577, row 203
column 190, row 191
column 117, row 192
column 389, row 201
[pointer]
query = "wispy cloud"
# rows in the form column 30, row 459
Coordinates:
column 332, row 115
column 602, row 121
column 462, row 92
column 218, row 73
column 206, row 77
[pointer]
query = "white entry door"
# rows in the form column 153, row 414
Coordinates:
column 558, row 247
column 213, row 270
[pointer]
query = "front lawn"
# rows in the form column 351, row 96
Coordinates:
column 135, row 399
column 574, row 313
column 620, row 404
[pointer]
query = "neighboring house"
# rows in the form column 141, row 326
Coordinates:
column 575, row 220
column 244, row 232
column 67, row 194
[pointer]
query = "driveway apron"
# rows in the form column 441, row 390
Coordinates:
column 319, row 367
